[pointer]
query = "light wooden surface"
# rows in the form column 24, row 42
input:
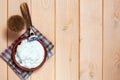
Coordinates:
column 67, row 36
column 3, row 37
column 91, row 40
column 111, row 66
column 86, row 35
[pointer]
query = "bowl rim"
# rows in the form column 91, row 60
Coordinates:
column 14, row 52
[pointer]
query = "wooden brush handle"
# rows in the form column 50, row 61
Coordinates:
column 26, row 14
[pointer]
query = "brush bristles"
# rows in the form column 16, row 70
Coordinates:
column 16, row 23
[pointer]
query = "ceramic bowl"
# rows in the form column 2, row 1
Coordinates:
column 14, row 52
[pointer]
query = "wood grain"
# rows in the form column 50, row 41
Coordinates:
column 14, row 9
column 67, row 39
column 111, row 64
column 3, row 37
column 43, row 20
column 96, row 54
column 91, row 40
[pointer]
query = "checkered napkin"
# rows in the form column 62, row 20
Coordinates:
column 6, row 55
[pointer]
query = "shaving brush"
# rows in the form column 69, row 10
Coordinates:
column 16, row 23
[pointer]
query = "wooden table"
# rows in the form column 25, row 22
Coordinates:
column 86, row 35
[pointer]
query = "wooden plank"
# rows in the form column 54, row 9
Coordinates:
column 43, row 19
column 67, row 39
column 91, row 40
column 14, row 9
column 111, row 66
column 3, row 37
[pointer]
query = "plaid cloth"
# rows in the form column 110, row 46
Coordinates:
column 6, row 54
